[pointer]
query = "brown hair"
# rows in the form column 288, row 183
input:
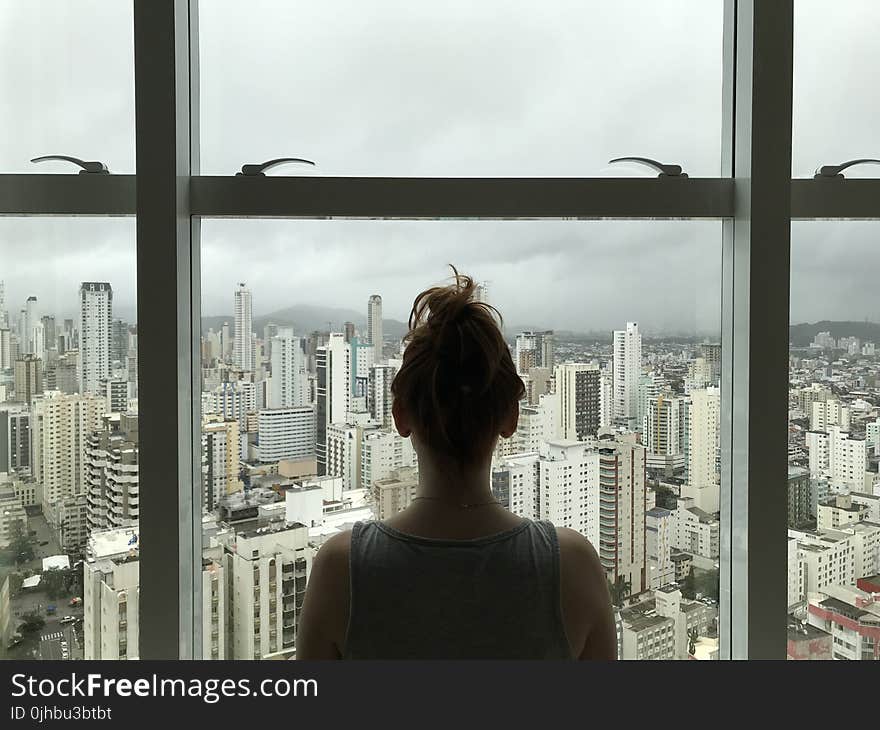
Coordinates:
column 457, row 384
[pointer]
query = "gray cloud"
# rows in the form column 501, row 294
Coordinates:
column 455, row 88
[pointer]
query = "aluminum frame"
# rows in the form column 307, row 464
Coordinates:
column 755, row 198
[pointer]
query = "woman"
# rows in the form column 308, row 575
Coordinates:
column 456, row 575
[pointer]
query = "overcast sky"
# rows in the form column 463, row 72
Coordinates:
column 454, row 88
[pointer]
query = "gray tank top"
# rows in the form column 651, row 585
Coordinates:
column 492, row 597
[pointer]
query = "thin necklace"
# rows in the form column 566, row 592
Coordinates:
column 460, row 504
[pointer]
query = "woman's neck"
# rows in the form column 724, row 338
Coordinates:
column 454, row 482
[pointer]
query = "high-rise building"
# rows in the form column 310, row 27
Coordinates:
column 384, row 451
column 60, row 427
column 96, row 314
column 375, row 333
column 116, row 393
column 113, row 496
column 289, row 387
column 534, row 349
column 28, row 378
column 286, row 433
column 627, row 369
column 658, row 542
column 799, row 496
column 622, row 495
column 31, row 319
column 15, row 437
column 344, row 452
column 4, row 316
column 221, row 460
column 568, row 486
column 379, row 394
column 703, row 448
column 578, row 400
column 394, row 493
column 333, row 391
column 111, row 577
column 825, row 414
column 243, row 348
column 267, row 570
column 118, row 341
column 6, row 356
column 664, row 433
column 838, row 457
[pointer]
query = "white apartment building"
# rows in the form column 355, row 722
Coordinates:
column 622, row 496
column 60, row 427
column 704, row 434
column 828, row 559
column 289, row 385
column 382, row 453
column 664, row 432
column 647, row 636
column 394, row 493
column 96, row 315
column 231, row 401
column 796, row 575
column 659, row 526
column 516, row 484
column 379, row 398
column 837, row 510
column 111, row 594
column 344, row 452
column 839, row 457
column 828, row 413
column 687, row 616
column 333, row 391
column 243, row 344
column 606, row 399
column 696, row 531
column 267, row 570
column 627, row 369
column 12, row 512
column 221, row 460
column 865, row 541
column 537, row 424
column 286, row 434
column 113, row 495
column 577, row 393
column 871, row 504
column 568, row 483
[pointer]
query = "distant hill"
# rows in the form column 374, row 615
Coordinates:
column 305, row 318
column 801, row 335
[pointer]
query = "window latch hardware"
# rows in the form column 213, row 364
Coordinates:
column 254, row 170
column 662, row 169
column 94, row 167
column 837, row 170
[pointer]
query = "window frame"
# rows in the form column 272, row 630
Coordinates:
column 755, row 198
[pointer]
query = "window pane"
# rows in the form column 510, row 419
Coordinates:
column 836, row 105
column 461, row 88
column 68, row 439
column 67, row 83
column 834, row 432
column 302, row 335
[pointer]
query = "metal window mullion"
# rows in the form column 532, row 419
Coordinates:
column 427, row 198
column 755, row 332
column 168, row 316
column 41, row 194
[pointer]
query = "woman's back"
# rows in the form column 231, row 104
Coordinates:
column 492, row 597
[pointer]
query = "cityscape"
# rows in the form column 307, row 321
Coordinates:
column 618, row 438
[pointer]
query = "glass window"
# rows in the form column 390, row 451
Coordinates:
column 460, row 88
column 67, row 81
column 69, row 497
column 301, row 334
column 835, row 103
column 834, row 428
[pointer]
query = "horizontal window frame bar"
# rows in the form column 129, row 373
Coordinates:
column 28, row 194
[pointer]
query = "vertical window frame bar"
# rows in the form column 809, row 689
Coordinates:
column 166, row 134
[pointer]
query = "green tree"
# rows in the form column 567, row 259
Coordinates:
column 619, row 590
column 21, row 544
column 32, row 623
column 693, row 635
column 61, row 582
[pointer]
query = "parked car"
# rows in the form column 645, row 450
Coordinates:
column 50, row 609
column 75, row 601
column 67, row 619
